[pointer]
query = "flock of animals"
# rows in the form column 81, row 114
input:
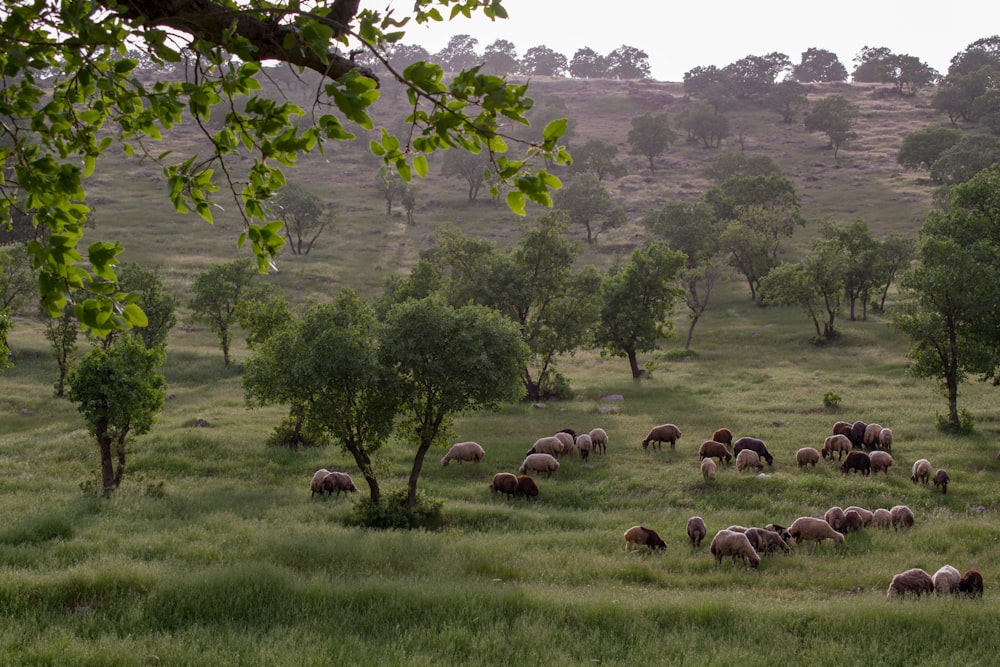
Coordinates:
column 860, row 448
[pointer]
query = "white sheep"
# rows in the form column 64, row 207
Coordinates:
column 585, row 445
column 921, row 471
column 641, row 535
column 870, row 438
column 599, row 437
column 885, row 439
column 839, row 443
column 339, row 481
column 567, row 441
column 708, row 468
column 464, row 451
column 866, row 515
column 732, row 543
column 539, row 463
column 747, row 458
column 807, row 528
column 696, row 530
column 946, row 580
column 902, row 516
column 882, row 518
column 913, row 580
column 881, row 461
column 550, row 444
column 807, row 456
column 835, row 517
column 317, row 482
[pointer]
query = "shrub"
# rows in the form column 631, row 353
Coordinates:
column 392, row 511
column 831, row 400
column 292, row 433
column 966, row 423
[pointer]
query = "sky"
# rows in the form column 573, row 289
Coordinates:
column 679, row 36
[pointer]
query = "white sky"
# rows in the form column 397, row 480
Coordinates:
column 678, row 36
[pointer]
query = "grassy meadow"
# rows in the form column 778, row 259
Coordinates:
column 214, row 553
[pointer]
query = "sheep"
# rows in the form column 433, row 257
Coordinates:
column 852, row 521
column 712, row 449
column 921, row 471
column 839, row 443
column 584, row 444
column 913, row 580
column 765, row 541
column 971, row 584
column 866, row 515
column 946, row 580
column 841, row 428
column 550, row 444
column 885, row 439
column 339, row 481
column 539, row 463
column 807, row 456
column 813, row 529
column 708, row 468
column 696, row 530
column 780, row 530
column 640, row 535
column 527, row 487
column 737, row 529
column 731, row 543
column 941, row 479
column 464, row 451
column 880, row 461
column 317, row 482
column 567, row 441
column 882, row 518
column 662, row 433
column 748, row 458
column 870, row 437
column 599, row 437
column 902, row 516
column 858, row 462
column 723, row 435
column 857, row 435
column 754, row 444
column 504, row 482
column 836, row 518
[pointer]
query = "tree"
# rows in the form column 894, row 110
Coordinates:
column 711, row 84
column 980, row 53
column 6, row 324
column 873, row 65
column 880, row 65
column 460, row 53
column 17, row 284
column 628, row 63
column 702, row 122
column 922, row 148
column 543, row 61
column 816, row 284
column 787, row 98
column 910, row 74
column 970, row 155
column 481, row 370
column 834, row 115
column 957, row 94
column 636, row 301
column 587, row 202
column 753, row 77
column 261, row 316
column 119, row 391
column 895, row 254
column 768, row 203
column 698, row 282
column 500, row 58
column 599, row 158
column 62, row 333
column 470, row 167
column 730, row 163
column 391, row 186
column 217, row 295
column 819, row 65
column 749, row 252
column 304, row 216
column 861, row 253
column 650, row 136
column 71, row 100
column 588, row 64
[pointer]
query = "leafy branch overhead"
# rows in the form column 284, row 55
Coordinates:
column 64, row 99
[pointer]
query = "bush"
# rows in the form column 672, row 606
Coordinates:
column 392, row 511
column 831, row 400
column 555, row 385
column 292, row 433
column 966, row 423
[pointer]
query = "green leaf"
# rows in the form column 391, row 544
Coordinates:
column 420, row 165
column 515, row 202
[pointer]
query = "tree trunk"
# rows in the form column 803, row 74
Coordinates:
column 107, row 464
column 633, row 363
column 418, row 464
column 364, row 464
column 694, row 321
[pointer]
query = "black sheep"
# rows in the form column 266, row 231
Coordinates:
column 755, row 445
column 858, row 462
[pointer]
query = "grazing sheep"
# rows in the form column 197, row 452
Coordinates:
column 766, row 541
column 464, row 451
column 527, row 487
column 842, row 428
column 662, row 433
column 807, row 528
column 731, row 543
column 870, row 437
column 317, row 482
column 504, row 482
column 836, row 518
column 857, row 435
column 711, row 449
column 902, row 516
column 941, row 479
column 640, row 535
column 584, row 444
column 921, row 471
column 748, row 458
column 571, row 432
column 852, row 521
column 723, row 435
column 880, row 461
column 708, row 468
column 866, row 515
column 539, row 463
column 780, row 530
column 599, row 438
column 839, row 443
column 737, row 529
column 339, row 481
column 882, row 518
column 567, row 442
column 696, row 530
column 857, row 462
column 946, row 580
column 807, row 456
column 885, row 439
column 971, row 584
column 550, row 445
column 913, row 580
column 754, row 444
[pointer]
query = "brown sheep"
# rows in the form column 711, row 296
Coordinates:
column 504, row 482
column 913, row 580
column 599, row 438
column 857, row 435
column 748, row 458
column 464, row 451
column 866, row 515
column 882, row 518
column 971, row 584
column 807, row 528
column 842, row 428
column 902, row 516
column 836, row 443
column 921, row 471
column 696, row 530
column 780, row 530
column 852, row 521
column 527, row 487
column 765, row 541
column 723, row 435
column 640, row 535
column 835, row 517
column 731, row 543
column 339, row 481
column 941, row 479
column 880, row 461
column 870, row 437
column 539, row 463
column 946, row 580
column 807, row 456
column 662, row 433
column 316, row 485
column 711, row 449
column 708, row 468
